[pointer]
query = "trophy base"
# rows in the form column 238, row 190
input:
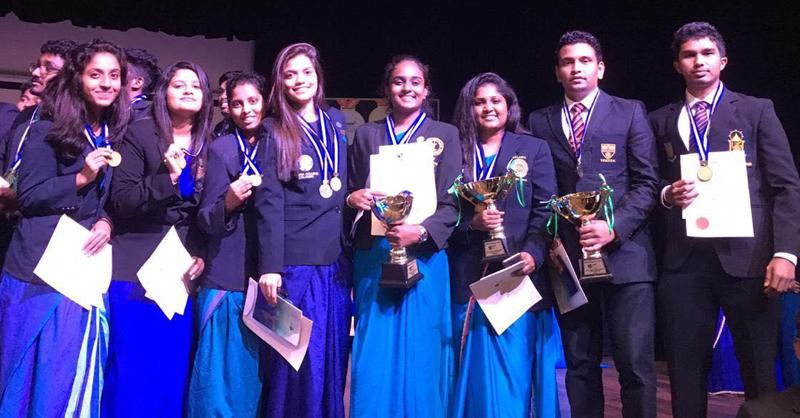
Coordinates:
column 400, row 276
column 595, row 270
column 494, row 250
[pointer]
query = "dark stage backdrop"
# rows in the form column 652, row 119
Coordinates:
column 459, row 40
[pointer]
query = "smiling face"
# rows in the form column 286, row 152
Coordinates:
column 578, row 70
column 184, row 94
column 101, row 82
column 407, row 87
column 246, row 105
column 300, row 79
column 700, row 63
column 490, row 108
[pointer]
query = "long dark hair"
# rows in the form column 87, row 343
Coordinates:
column 464, row 118
column 201, row 122
column 386, row 82
column 286, row 127
column 63, row 101
column 255, row 80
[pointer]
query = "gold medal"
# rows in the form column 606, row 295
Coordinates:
column 519, row 167
column 336, row 182
column 254, row 179
column 325, row 190
column 704, row 172
column 114, row 159
column 180, row 160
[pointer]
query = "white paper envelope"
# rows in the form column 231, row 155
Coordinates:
column 722, row 207
column 505, row 297
column 292, row 353
column 81, row 278
column 162, row 274
column 566, row 288
column 406, row 167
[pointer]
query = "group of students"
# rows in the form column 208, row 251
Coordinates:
column 277, row 195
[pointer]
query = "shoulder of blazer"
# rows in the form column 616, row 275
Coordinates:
column 660, row 115
column 142, row 131
column 444, row 127
column 224, row 144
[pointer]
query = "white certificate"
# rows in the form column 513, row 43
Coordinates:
column 722, row 206
column 566, row 287
column 293, row 350
column 405, row 167
column 162, row 274
column 81, row 278
column 504, row 296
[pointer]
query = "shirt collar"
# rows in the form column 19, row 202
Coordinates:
column 691, row 100
column 587, row 101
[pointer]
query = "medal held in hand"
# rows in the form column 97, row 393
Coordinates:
column 580, row 208
column 401, row 271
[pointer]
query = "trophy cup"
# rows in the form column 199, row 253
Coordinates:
column 401, row 271
column 483, row 194
column 581, row 207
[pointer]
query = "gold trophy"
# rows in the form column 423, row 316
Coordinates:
column 581, row 207
column 483, row 194
column 401, row 271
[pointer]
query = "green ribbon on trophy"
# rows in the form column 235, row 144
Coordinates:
column 581, row 208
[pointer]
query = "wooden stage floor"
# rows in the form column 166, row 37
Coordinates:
column 720, row 406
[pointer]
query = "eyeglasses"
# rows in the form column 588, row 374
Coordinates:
column 46, row 68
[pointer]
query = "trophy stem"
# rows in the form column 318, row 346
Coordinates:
column 499, row 232
column 586, row 253
column 398, row 255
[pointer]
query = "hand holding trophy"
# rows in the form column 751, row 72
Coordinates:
column 580, row 208
column 401, row 271
column 484, row 194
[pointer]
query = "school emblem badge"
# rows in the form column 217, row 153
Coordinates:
column 438, row 144
column 736, row 140
column 608, row 151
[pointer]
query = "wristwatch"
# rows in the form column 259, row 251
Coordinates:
column 423, row 234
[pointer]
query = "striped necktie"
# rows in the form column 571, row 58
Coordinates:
column 578, row 126
column 700, row 121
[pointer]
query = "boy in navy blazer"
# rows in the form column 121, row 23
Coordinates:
column 739, row 275
column 592, row 133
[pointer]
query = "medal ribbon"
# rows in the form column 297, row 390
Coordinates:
column 18, row 155
column 99, row 140
column 408, row 134
column 327, row 164
column 481, row 171
column 138, row 99
column 249, row 165
column 701, row 138
column 568, row 116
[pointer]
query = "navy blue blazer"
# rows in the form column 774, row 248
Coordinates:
column 10, row 141
column 8, row 112
column 47, row 190
column 772, row 179
column 630, row 167
column 141, row 110
column 302, row 227
column 144, row 203
column 524, row 226
column 232, row 247
column 440, row 225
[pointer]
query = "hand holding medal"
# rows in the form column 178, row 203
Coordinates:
column 175, row 160
column 238, row 192
column 92, row 164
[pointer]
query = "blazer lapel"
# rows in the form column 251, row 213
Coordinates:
column 674, row 136
column 554, row 118
column 600, row 112
column 722, row 121
column 508, row 148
